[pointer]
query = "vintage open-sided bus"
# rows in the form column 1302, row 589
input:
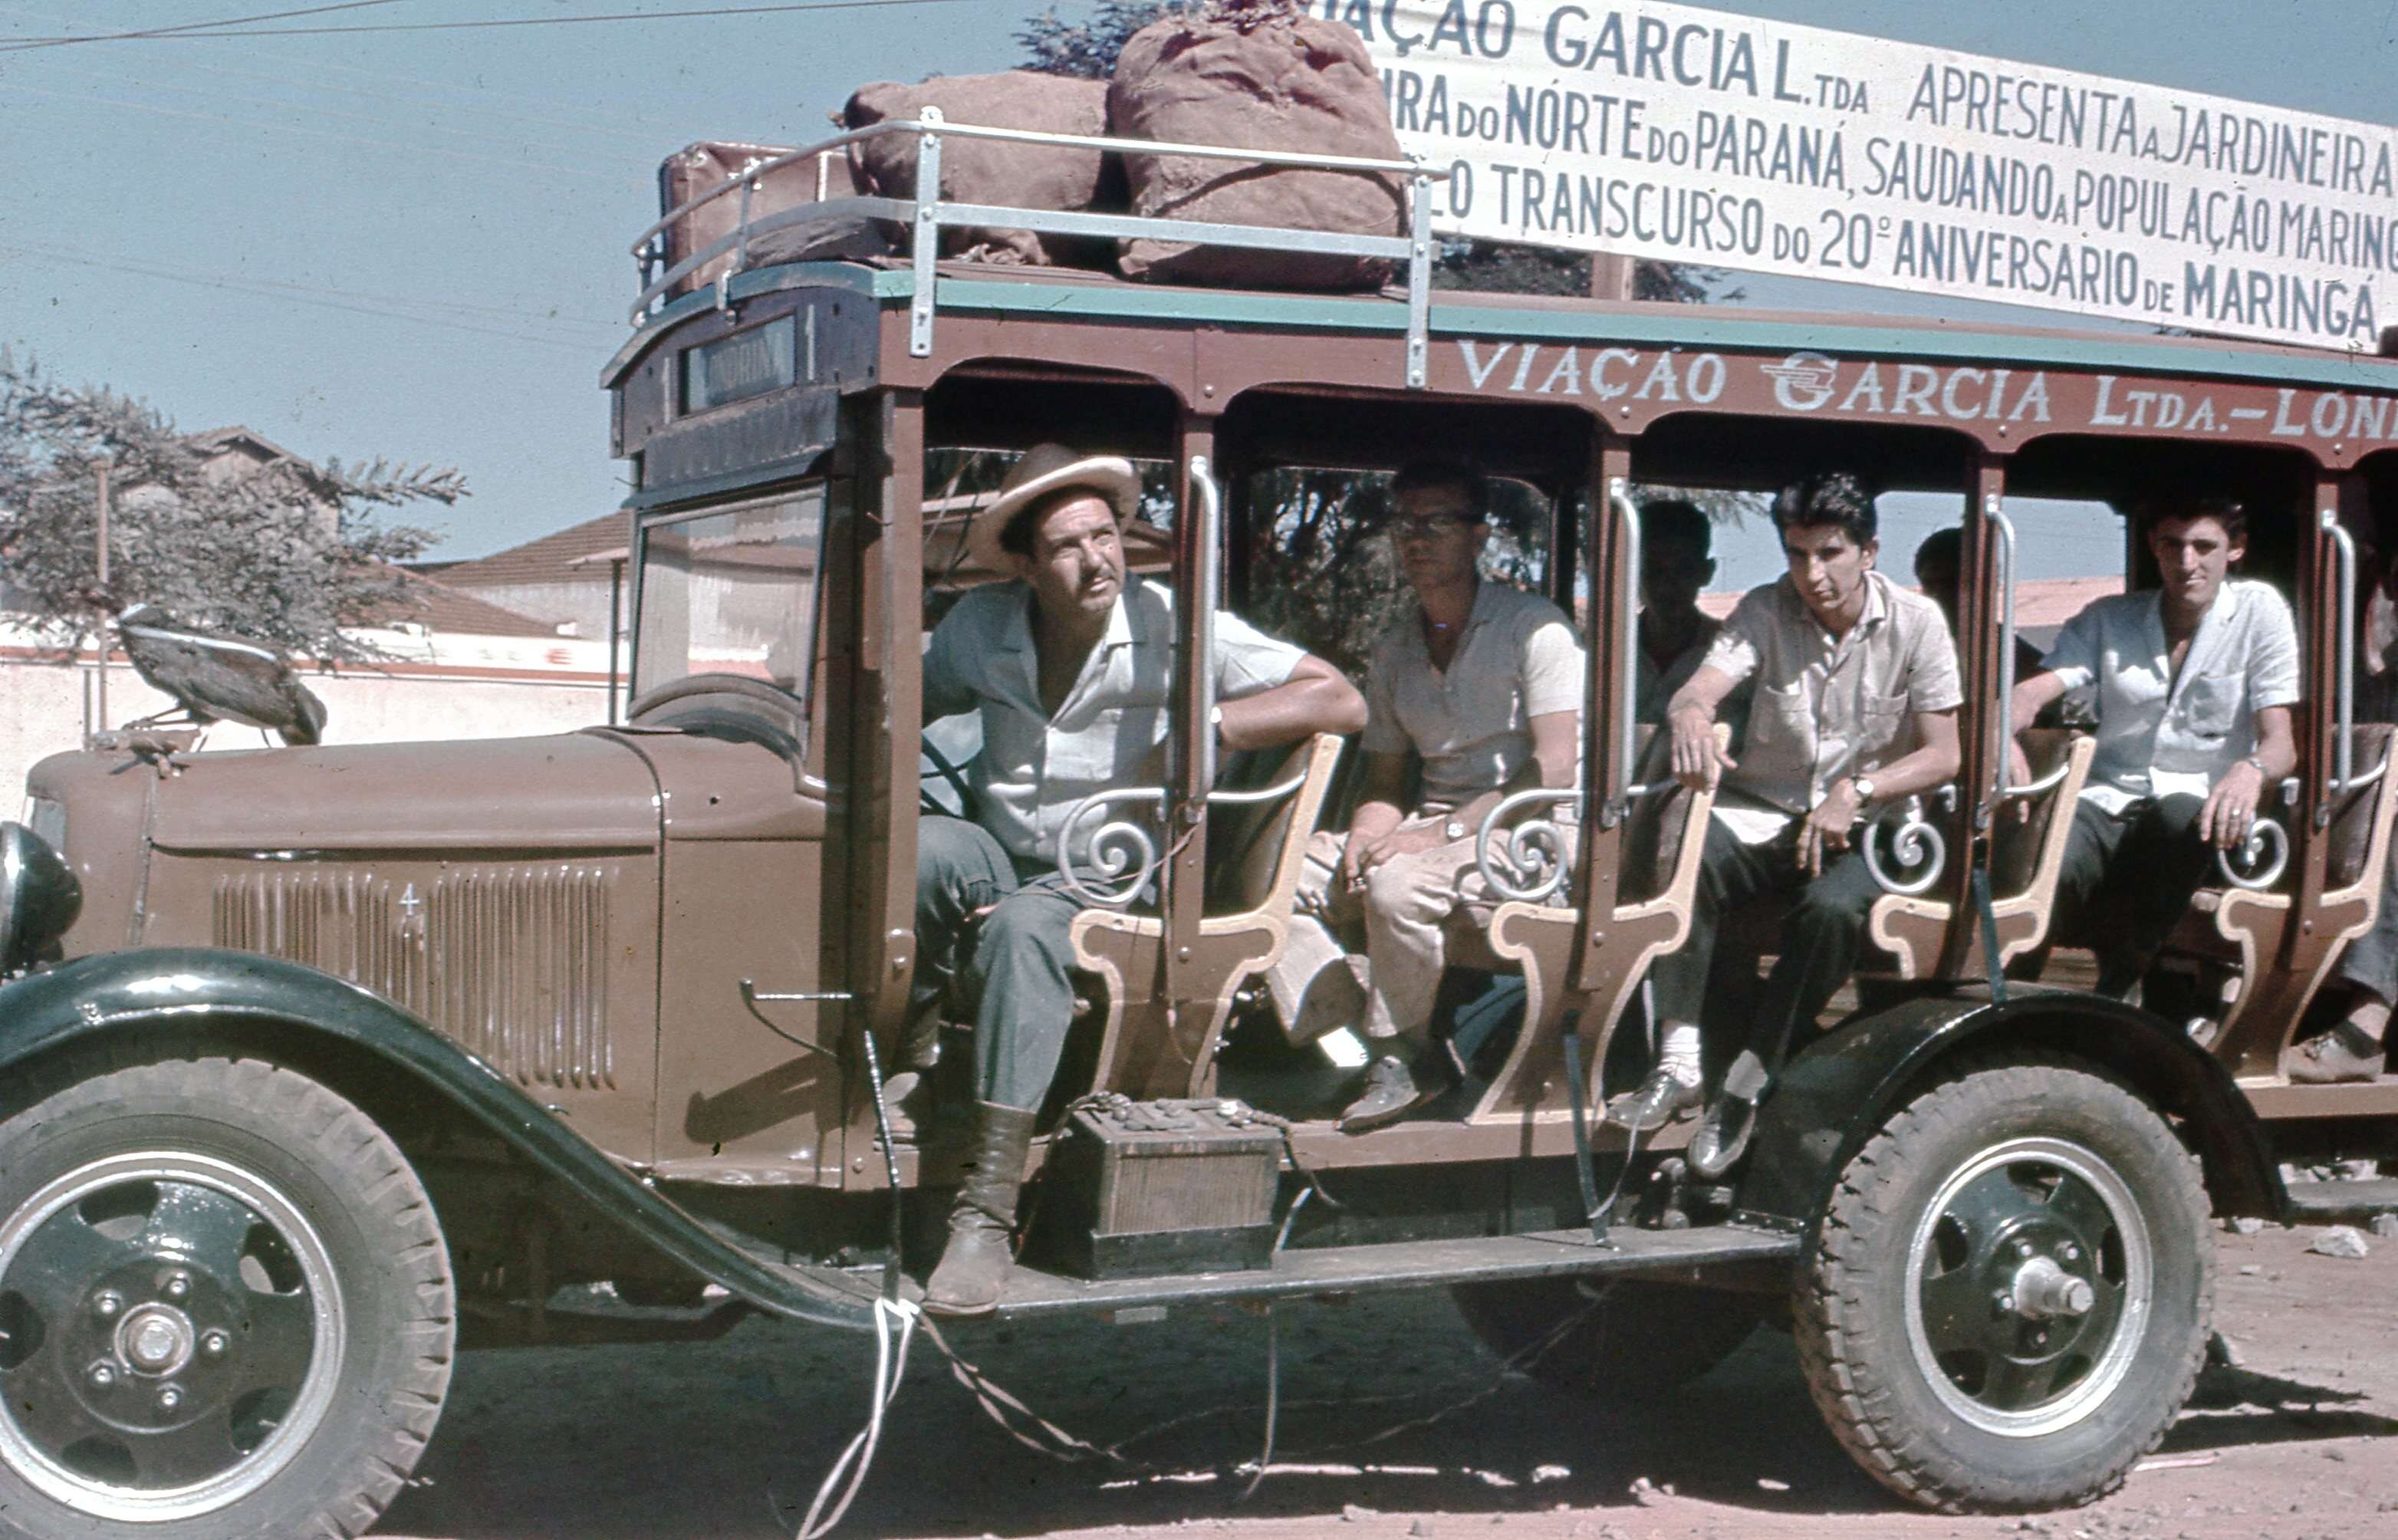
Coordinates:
column 318, row 1060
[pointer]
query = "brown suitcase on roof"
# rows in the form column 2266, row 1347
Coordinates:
column 690, row 171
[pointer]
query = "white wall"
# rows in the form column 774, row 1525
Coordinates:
column 42, row 704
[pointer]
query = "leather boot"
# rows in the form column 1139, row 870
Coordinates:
column 974, row 1264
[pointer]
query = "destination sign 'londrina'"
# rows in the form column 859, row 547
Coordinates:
column 1663, row 130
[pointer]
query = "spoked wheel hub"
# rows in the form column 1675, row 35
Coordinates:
column 170, row 1332
column 2028, row 1280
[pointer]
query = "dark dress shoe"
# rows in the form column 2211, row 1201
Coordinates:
column 2341, row 1055
column 1722, row 1136
column 1392, row 1090
column 1660, row 1099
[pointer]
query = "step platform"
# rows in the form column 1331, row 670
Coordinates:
column 1726, row 1254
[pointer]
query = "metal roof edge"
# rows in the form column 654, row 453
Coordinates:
column 1683, row 325
column 873, row 283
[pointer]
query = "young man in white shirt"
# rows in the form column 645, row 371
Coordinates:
column 2193, row 682
column 1853, row 689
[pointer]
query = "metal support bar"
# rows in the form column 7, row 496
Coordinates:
column 2006, row 586
column 1210, row 501
column 926, row 239
column 1627, row 651
column 2343, row 747
column 1419, row 278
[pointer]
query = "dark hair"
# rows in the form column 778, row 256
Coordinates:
column 1827, row 497
column 2153, row 509
column 1947, row 544
column 1417, row 475
column 1673, row 522
column 1016, row 535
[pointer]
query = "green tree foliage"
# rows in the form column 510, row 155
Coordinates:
column 285, row 553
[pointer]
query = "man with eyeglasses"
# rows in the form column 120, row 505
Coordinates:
column 1477, row 690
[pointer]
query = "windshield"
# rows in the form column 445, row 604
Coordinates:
column 730, row 591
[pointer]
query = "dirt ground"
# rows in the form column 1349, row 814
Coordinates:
column 730, row 1438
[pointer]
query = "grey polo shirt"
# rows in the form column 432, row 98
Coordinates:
column 1472, row 725
column 2159, row 734
column 1824, row 708
column 1033, row 768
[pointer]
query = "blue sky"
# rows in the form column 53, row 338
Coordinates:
column 414, row 244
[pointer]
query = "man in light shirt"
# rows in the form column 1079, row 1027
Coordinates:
column 1479, row 687
column 1852, row 682
column 2193, row 680
column 1071, row 668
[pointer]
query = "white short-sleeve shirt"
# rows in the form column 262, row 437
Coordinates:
column 2158, row 735
column 1034, row 767
column 1471, row 726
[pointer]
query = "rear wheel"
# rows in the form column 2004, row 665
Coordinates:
column 2007, row 1302
column 1623, row 1342
column 226, row 1308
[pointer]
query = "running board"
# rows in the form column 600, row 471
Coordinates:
column 1690, row 1255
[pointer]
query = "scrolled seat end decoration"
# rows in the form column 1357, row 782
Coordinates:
column 2259, row 863
column 1920, row 851
column 1525, row 862
column 1119, row 857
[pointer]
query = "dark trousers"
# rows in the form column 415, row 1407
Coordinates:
column 1821, row 935
column 1011, row 970
column 2126, row 880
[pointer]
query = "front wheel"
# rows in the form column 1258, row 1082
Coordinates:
column 2009, row 1299
column 226, row 1307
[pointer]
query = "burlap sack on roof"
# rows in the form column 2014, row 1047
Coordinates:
column 1255, row 75
column 981, row 171
column 690, row 171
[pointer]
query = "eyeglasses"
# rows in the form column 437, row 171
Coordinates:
column 1425, row 529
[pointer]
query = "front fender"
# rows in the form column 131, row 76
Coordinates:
column 94, row 997
column 1834, row 1096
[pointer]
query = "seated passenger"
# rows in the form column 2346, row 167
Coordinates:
column 2353, row 1048
column 1480, row 687
column 1071, row 668
column 1938, row 571
column 2194, row 680
column 1676, row 564
column 1853, row 698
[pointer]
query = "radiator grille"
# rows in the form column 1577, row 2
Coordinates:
column 508, row 961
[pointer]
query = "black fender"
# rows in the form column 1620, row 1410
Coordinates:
column 1834, row 1096
column 94, row 998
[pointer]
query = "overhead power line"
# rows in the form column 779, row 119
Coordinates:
column 195, row 31
column 192, row 26
column 257, row 290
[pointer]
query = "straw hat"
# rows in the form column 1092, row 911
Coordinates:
column 1048, row 469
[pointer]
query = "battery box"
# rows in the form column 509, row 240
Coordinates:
column 1135, row 1189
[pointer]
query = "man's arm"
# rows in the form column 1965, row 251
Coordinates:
column 1315, row 698
column 1690, row 717
column 1932, row 763
column 2231, row 811
column 1554, row 750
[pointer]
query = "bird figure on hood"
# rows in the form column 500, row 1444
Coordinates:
column 219, row 678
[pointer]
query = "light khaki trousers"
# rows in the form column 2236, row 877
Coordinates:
column 1404, row 902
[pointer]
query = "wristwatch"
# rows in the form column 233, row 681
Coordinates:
column 1454, row 829
column 1863, row 786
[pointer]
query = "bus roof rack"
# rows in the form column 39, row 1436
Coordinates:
column 925, row 218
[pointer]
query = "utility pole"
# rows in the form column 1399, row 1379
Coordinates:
column 103, row 589
column 1610, row 277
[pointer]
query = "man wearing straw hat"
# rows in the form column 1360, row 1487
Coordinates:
column 1071, row 665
